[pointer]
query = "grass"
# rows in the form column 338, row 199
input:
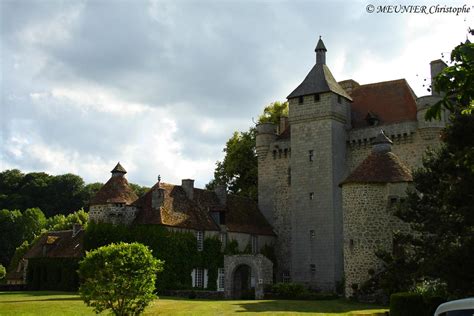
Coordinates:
column 63, row 303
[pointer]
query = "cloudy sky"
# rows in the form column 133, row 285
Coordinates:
column 161, row 85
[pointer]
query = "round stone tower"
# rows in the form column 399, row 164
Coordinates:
column 113, row 202
column 369, row 195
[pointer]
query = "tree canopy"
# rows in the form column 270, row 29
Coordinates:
column 440, row 208
column 119, row 277
column 238, row 169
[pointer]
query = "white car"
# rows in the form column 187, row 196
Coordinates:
column 464, row 307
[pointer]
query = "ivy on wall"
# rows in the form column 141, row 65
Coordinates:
column 53, row 274
column 177, row 249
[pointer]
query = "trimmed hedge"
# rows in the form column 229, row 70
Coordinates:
column 407, row 304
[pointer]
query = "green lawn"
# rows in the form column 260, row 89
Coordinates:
column 61, row 303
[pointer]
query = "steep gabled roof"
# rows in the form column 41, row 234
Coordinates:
column 57, row 244
column 116, row 190
column 319, row 80
column 380, row 167
column 241, row 214
column 390, row 101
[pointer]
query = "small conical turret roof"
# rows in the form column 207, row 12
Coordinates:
column 381, row 166
column 320, row 78
column 320, row 45
column 116, row 190
column 119, row 169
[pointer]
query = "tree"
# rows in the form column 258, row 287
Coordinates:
column 120, row 277
column 3, row 272
column 238, row 171
column 440, row 208
column 61, row 222
column 456, row 83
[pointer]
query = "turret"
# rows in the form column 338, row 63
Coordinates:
column 266, row 134
column 369, row 193
column 430, row 129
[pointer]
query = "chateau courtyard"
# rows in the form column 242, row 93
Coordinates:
column 65, row 303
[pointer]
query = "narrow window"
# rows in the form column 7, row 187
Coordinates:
column 286, row 152
column 339, row 99
column 279, row 153
column 317, row 97
column 300, row 100
column 311, row 155
column 274, row 154
column 199, row 278
column 285, row 276
column 311, row 195
column 289, row 176
column 254, row 244
column 312, row 233
column 223, row 239
column 351, row 243
column 220, row 279
column 312, row 268
column 200, row 240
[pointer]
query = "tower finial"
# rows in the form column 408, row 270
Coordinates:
column 320, row 52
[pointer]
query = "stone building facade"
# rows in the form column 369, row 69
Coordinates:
column 302, row 162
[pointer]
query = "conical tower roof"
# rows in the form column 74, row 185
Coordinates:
column 320, row 78
column 116, row 190
column 381, row 166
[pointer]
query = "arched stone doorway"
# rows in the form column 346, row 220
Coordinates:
column 247, row 275
column 243, row 287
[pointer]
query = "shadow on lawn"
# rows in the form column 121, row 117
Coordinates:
column 304, row 307
column 45, row 300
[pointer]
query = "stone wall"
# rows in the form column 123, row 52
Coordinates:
column 112, row 213
column 368, row 227
column 316, row 201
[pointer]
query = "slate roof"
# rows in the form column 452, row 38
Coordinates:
column 319, row 80
column 118, row 168
column 242, row 215
column 391, row 102
column 58, row 244
column 116, row 190
column 380, row 167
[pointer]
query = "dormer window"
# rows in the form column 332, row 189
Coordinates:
column 300, row 100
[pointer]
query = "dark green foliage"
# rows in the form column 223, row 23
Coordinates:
column 432, row 303
column 19, row 253
column 3, row 272
column 177, row 250
column 456, row 82
column 289, row 291
column 119, row 277
column 61, row 222
column 238, row 170
column 53, row 274
column 16, row 227
column 61, row 194
column 406, row 304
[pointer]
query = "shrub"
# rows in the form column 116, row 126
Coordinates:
column 289, row 290
column 120, row 277
column 406, row 304
column 3, row 272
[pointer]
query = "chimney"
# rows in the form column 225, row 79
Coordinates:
column 221, row 192
column 349, row 85
column 436, row 66
column 188, row 187
column 76, row 228
column 157, row 198
column 283, row 123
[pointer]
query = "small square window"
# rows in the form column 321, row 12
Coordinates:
column 312, row 233
column 300, row 100
column 311, row 155
column 317, row 97
column 311, row 195
column 312, row 268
